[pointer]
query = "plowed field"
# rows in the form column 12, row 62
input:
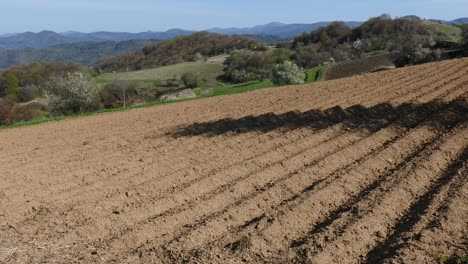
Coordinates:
column 369, row 169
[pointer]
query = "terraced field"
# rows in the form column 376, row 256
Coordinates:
column 369, row 169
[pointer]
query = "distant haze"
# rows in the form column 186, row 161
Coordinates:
column 158, row 15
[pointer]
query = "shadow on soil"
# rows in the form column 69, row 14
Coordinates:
column 355, row 117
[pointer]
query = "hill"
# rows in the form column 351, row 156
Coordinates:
column 86, row 53
column 177, row 50
column 284, row 31
column 453, row 33
column 365, row 169
column 209, row 70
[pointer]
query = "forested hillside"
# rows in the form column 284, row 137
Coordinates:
column 189, row 48
column 86, row 53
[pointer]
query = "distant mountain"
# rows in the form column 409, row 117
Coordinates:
column 7, row 35
column 34, row 40
column 462, row 20
column 86, row 53
column 123, row 36
column 45, row 39
column 277, row 29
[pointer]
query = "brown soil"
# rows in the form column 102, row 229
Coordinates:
column 369, row 169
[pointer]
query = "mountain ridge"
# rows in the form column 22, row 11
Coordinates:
column 49, row 38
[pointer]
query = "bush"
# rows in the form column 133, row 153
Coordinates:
column 115, row 93
column 288, row 73
column 27, row 93
column 6, row 111
column 28, row 112
column 191, row 80
column 70, row 94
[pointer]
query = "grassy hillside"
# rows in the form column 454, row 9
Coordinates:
column 210, row 70
column 453, row 33
column 177, row 50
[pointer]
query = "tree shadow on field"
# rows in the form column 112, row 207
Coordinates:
column 369, row 119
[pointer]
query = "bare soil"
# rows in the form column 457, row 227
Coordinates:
column 369, row 169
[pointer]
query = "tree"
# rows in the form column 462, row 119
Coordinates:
column 358, row 48
column 26, row 93
column 281, row 55
column 309, row 56
column 288, row 73
column 415, row 50
column 464, row 28
column 70, row 94
column 13, row 84
column 198, row 57
column 243, row 66
column 3, row 87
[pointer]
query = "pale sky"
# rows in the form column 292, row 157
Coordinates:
column 157, row 15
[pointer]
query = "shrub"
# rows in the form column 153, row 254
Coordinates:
column 6, row 109
column 191, row 80
column 117, row 93
column 288, row 73
column 70, row 94
column 27, row 93
column 28, row 112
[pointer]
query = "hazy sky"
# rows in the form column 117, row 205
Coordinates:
column 143, row 15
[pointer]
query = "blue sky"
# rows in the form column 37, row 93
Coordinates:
column 143, row 15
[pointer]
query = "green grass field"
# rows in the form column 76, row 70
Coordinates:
column 210, row 70
column 453, row 32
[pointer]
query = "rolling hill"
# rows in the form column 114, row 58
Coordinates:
column 177, row 50
column 209, row 70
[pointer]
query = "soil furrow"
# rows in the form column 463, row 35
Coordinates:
column 366, row 233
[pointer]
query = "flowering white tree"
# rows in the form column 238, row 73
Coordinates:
column 288, row 73
column 71, row 93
